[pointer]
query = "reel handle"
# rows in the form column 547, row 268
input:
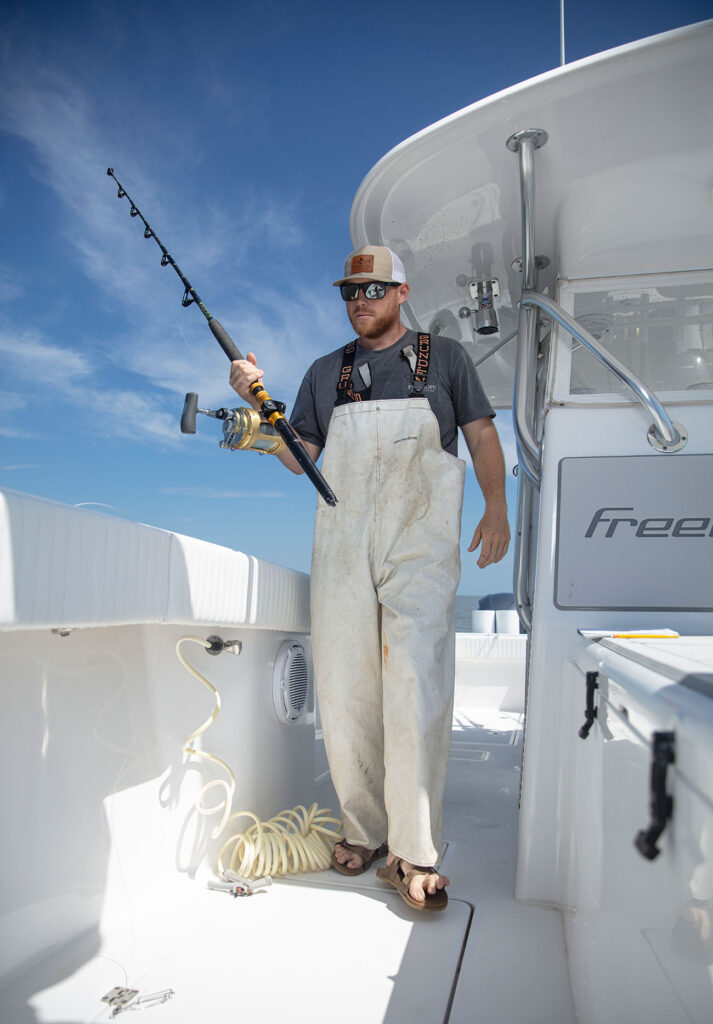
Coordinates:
column 188, row 416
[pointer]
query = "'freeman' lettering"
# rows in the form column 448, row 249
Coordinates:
column 650, row 527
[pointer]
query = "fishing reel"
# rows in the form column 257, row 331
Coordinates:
column 243, row 429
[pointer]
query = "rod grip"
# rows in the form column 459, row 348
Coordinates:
column 292, row 441
column 224, row 340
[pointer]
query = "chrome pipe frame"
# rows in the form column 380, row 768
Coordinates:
column 526, row 154
column 524, row 143
column 664, row 430
column 524, row 394
column 528, row 469
column 521, row 566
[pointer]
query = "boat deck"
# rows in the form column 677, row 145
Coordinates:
column 323, row 947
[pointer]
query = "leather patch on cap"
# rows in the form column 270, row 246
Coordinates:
column 362, row 265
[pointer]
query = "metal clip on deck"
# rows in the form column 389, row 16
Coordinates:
column 237, row 886
column 121, row 999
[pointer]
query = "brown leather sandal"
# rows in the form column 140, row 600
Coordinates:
column 368, row 857
column 401, row 879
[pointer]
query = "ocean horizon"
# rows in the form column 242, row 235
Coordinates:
column 465, row 604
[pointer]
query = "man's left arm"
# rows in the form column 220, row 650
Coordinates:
column 493, row 530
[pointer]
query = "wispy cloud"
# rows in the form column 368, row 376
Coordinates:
column 16, row 433
column 131, row 415
column 52, row 376
column 30, row 356
column 168, row 348
column 11, row 402
column 73, row 143
column 11, row 287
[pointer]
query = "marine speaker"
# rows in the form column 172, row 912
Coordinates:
column 291, row 681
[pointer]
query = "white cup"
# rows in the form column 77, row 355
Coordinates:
column 483, row 621
column 507, row 622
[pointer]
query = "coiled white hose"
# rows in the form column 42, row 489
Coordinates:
column 296, row 840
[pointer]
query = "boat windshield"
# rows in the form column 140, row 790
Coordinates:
column 662, row 332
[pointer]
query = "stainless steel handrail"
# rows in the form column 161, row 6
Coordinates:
column 524, row 394
column 521, row 566
column 669, row 436
column 526, row 153
column 524, row 143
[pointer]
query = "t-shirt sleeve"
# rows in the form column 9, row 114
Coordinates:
column 304, row 413
column 469, row 399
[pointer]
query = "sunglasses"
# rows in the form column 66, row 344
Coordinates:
column 371, row 289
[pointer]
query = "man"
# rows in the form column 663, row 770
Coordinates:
column 386, row 565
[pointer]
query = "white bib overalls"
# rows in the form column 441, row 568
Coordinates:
column 385, row 568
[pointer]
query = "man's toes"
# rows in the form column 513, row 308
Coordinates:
column 427, row 885
column 347, row 858
column 416, row 891
column 419, row 888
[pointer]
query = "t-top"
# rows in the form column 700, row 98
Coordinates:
column 453, row 388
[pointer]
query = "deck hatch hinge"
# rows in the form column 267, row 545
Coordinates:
column 662, row 755
column 590, row 712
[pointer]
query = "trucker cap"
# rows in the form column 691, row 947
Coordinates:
column 373, row 263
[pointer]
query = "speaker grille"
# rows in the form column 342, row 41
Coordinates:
column 291, row 681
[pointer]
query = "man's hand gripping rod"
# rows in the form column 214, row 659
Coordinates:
column 271, row 410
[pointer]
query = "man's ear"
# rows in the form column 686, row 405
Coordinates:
column 402, row 292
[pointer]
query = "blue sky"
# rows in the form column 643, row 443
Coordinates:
column 242, row 130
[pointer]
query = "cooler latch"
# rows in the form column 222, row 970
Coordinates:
column 663, row 755
column 590, row 712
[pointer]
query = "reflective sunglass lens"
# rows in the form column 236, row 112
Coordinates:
column 375, row 290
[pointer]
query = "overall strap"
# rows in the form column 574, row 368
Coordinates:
column 345, row 385
column 418, row 361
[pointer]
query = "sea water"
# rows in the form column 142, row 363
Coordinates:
column 465, row 605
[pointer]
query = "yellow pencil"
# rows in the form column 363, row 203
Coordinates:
column 644, row 636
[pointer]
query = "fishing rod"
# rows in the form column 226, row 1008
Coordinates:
column 242, row 428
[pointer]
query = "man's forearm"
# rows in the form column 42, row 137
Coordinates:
column 492, row 534
column 287, row 458
column 488, row 463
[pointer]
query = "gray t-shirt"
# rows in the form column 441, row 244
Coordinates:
column 453, row 389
